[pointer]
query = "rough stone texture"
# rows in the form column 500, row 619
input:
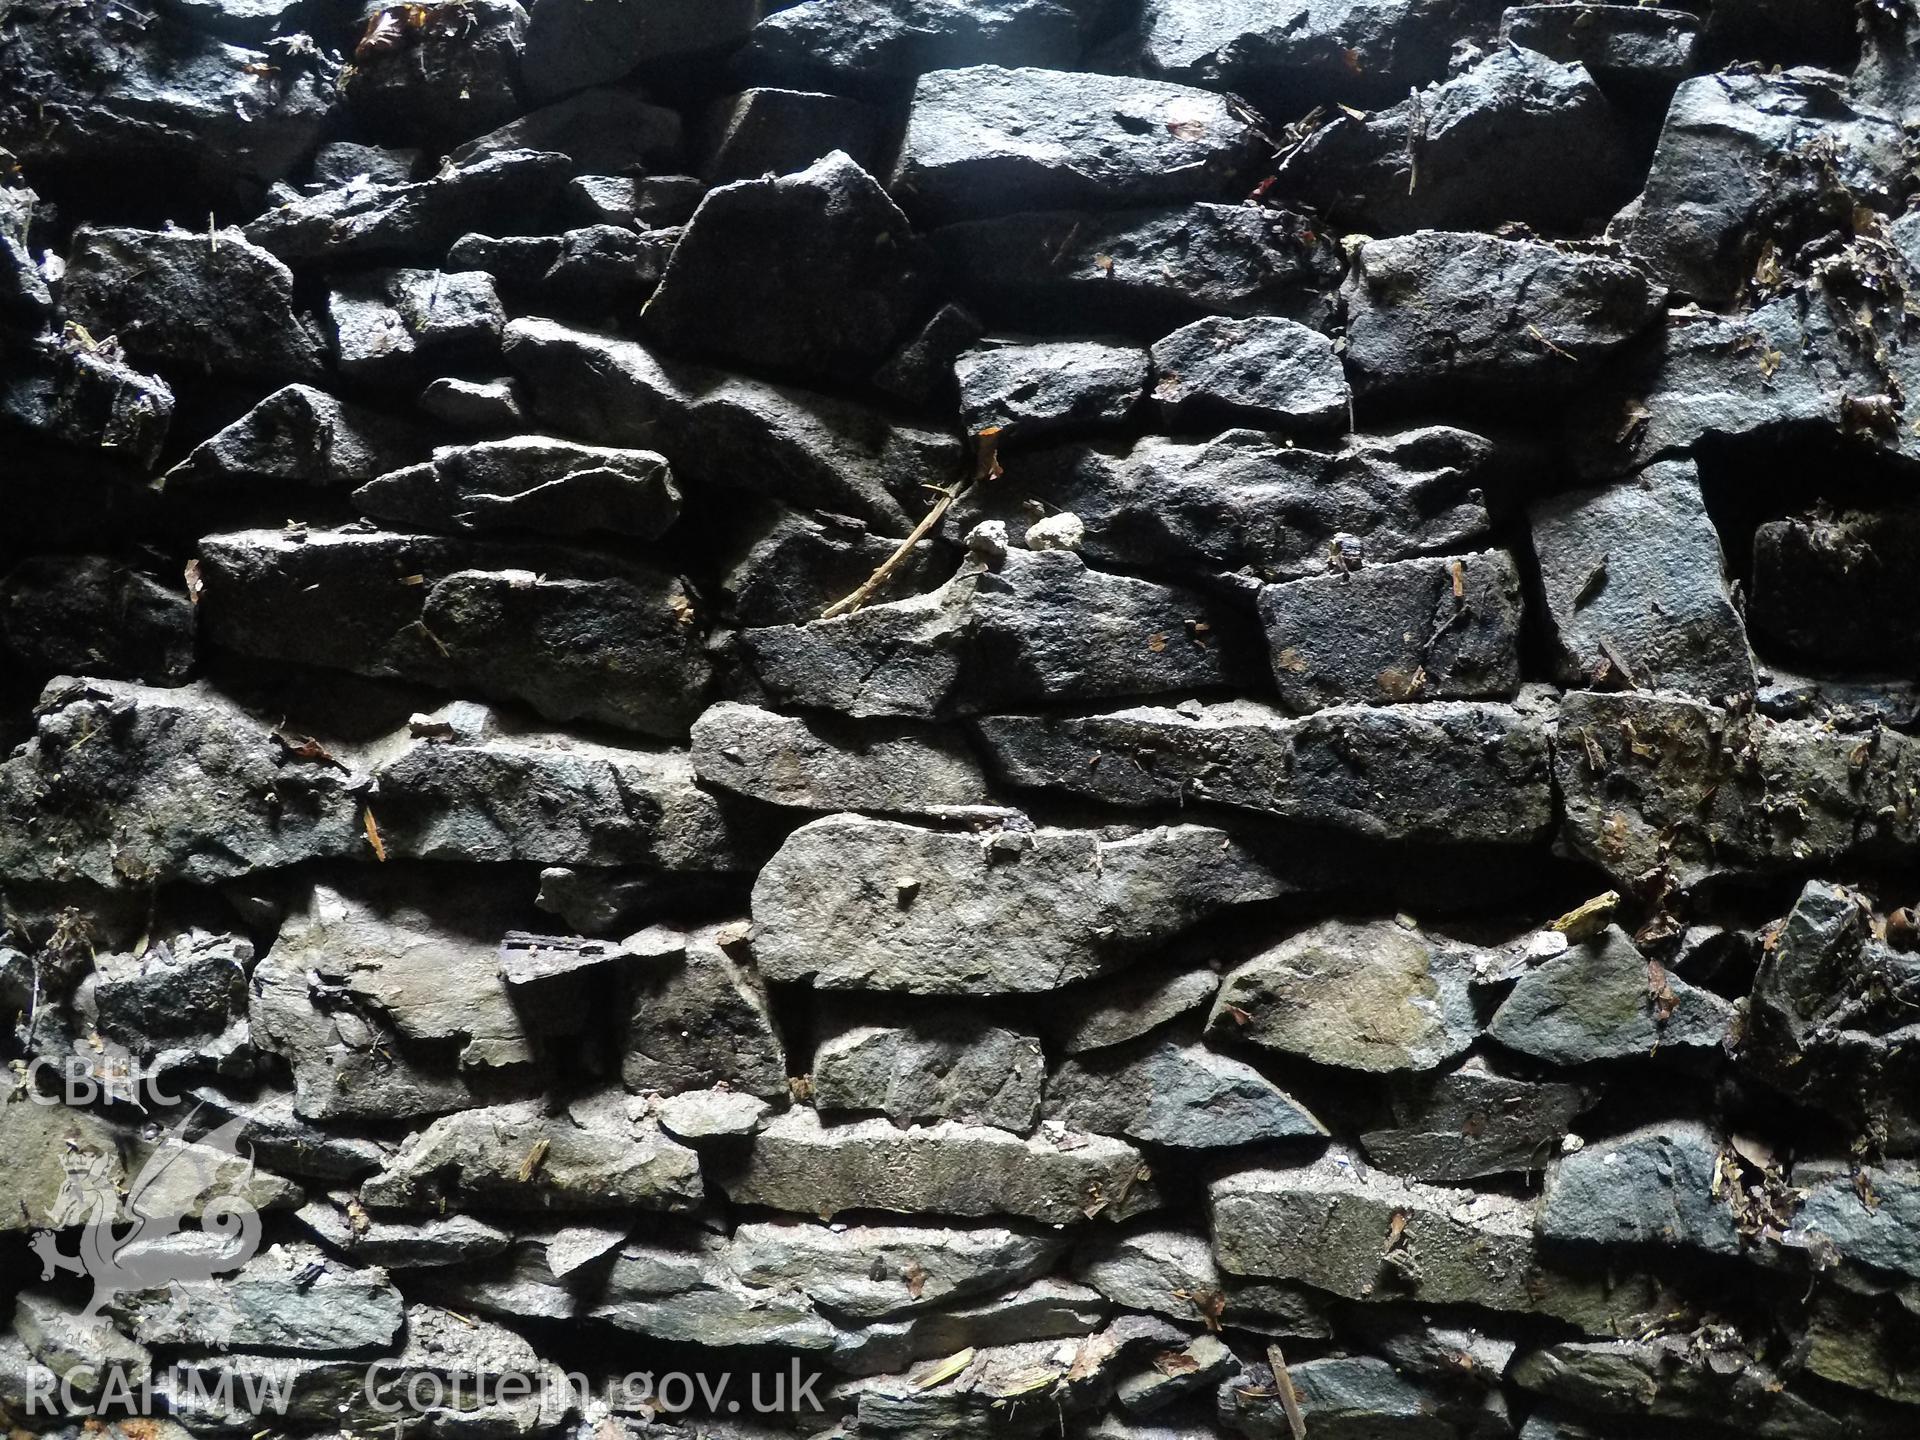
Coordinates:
column 1135, row 267
column 456, row 79
column 769, row 131
column 1437, row 311
column 989, row 140
column 1626, row 44
column 818, row 269
column 1473, row 1122
column 976, row 1073
column 1628, row 766
column 267, row 1306
column 1361, row 997
column 1409, row 630
column 346, row 600
column 1654, row 1186
column 819, row 765
column 1487, row 146
column 389, row 323
column 1053, row 385
column 1246, row 501
column 886, row 45
column 297, row 437
column 1265, row 372
column 851, row 903
column 1328, row 1224
column 89, row 616
column 1183, row 1096
column 528, row 482
column 716, row 429
column 157, row 292
column 1015, row 629
column 1635, row 582
column 699, row 1017
column 1604, row 1000
column 571, row 44
column 1828, row 588
column 599, row 1153
column 1129, row 1006
column 798, row 1163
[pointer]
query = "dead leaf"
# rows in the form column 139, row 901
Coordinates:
column 1187, row 129
column 1665, row 1002
column 1175, row 1362
column 916, row 1278
column 1459, row 580
column 1396, row 1230
column 373, row 834
column 196, row 585
column 536, row 1157
column 945, row 1370
column 1157, row 643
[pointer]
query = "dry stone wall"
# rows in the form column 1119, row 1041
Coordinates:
column 1126, row 719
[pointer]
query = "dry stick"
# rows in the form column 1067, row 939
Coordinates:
column 1283, row 1385
column 986, row 465
column 892, row 562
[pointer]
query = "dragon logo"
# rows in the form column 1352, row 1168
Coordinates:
column 140, row 1240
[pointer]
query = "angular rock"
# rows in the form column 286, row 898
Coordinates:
column 1167, row 1271
column 82, row 395
column 282, row 1141
column 1358, row 1397
column 1856, row 1345
column 718, row 430
column 1747, row 792
column 1473, row 1122
column 1830, row 588
column 1146, row 269
column 90, row 616
column 799, row 1164
column 576, row 43
column 1446, row 772
column 181, row 1003
column 1045, row 1309
column 977, row 1073
column 786, row 567
column 1869, row 1214
column 599, row 1153
column 1604, row 1000
column 338, row 1222
column 850, row 903
column 296, row 439
column 1009, row 630
column 767, row 131
column 25, row 299
column 683, row 1290
column 1375, row 997
column 1183, row 1096
column 1486, row 146
column 1264, row 372
column 352, row 1066
column 454, row 76
column 715, row 1115
column 493, row 795
column 529, row 482
column 208, row 303
column 1656, row 1186
column 814, row 273
column 1245, row 501
column 1669, row 1378
column 272, row 1304
column 699, row 1017
column 1739, row 158
column 1440, row 311
column 1434, row 629
column 128, row 785
column 818, row 764
column 609, row 131
column 920, row 370
column 1297, row 50
column 85, row 1353
column 573, row 634
column 1128, row 1006
column 340, row 161
column 1049, row 385
column 870, row 1272
column 884, row 47
column 389, row 323
column 363, row 220
column 1629, row 45
column 986, row 140
column 1201, row 1362
column 1635, row 582
column 424, row 962
column 484, row 405
column 1333, row 1225
column 175, row 102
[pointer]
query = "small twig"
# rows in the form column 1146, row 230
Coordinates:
column 1283, row 1386
column 985, row 467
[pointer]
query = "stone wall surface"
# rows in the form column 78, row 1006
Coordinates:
column 1117, row 719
